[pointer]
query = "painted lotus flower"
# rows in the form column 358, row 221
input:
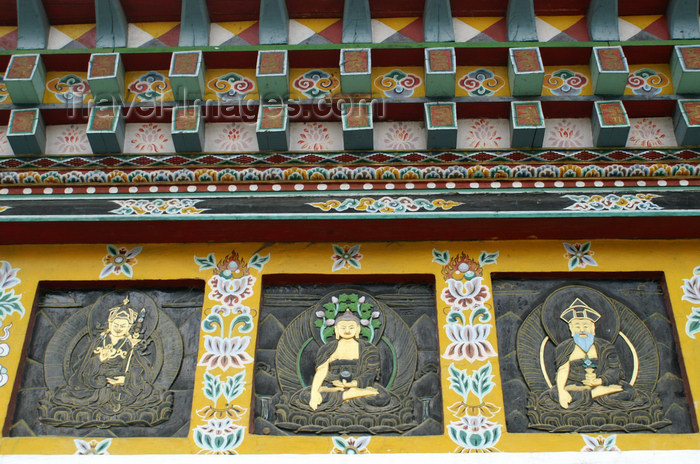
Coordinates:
column 231, row 291
column 474, row 433
column 119, row 260
column 225, row 353
column 691, row 287
column 219, row 436
column 579, row 255
column 8, row 275
column 92, row 447
column 599, row 443
column 344, row 257
column 467, row 294
column 468, row 342
column 350, row 445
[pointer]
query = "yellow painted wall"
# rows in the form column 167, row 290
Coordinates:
column 676, row 259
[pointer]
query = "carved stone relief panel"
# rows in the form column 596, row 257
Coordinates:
column 589, row 355
column 115, row 363
column 348, row 358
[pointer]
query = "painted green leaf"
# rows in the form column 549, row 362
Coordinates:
column 208, row 262
column 103, row 445
column 234, row 387
column 481, row 383
column 212, row 386
column 459, row 381
column 481, row 313
column 354, row 263
column 127, row 270
column 586, row 246
column 366, row 332
column 376, row 323
column 112, row 250
column 693, row 325
column 338, row 250
column 246, row 323
column 258, row 261
column 318, row 323
column 441, row 257
column 211, row 322
column 10, row 303
column 328, row 332
column 456, row 316
column 329, row 306
column 573, row 262
column 488, row 258
column 339, row 443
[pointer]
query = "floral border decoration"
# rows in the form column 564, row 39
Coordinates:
column 9, row 304
column 92, row 447
column 119, row 260
column 386, row 205
column 347, row 256
column 465, row 292
column 157, row 207
column 230, row 285
column 350, row 445
column 612, row 202
column 691, row 293
column 599, row 443
column 579, row 255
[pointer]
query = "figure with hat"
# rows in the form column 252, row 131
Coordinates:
column 588, row 369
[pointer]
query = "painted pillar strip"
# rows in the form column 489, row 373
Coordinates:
column 32, row 25
column 521, row 21
column 357, row 22
column 437, row 21
column 602, row 20
column 112, row 28
column 274, row 22
column 194, row 24
column 682, row 19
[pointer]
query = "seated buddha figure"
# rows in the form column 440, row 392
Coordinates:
column 111, row 383
column 346, row 372
column 588, row 369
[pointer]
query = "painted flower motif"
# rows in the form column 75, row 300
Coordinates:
column 149, row 138
column 400, row 137
column 564, row 135
column 579, row 255
column 232, row 138
column 92, row 447
column 73, row 140
column 691, row 287
column 8, row 275
column 482, row 134
column 350, row 445
column 645, row 133
column 230, row 291
column 219, row 436
column 461, row 267
column 119, row 260
column 225, row 310
column 344, row 257
column 462, row 295
column 225, row 353
column 599, row 443
column 314, row 137
column 474, row 433
column 468, row 342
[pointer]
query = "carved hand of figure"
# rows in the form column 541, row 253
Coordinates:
column 119, row 380
column 315, row 399
column 592, row 381
column 564, row 398
column 345, row 383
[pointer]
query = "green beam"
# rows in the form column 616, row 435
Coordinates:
column 32, row 25
column 194, row 24
column 602, row 20
column 437, row 21
column 112, row 28
column 682, row 19
column 521, row 21
column 274, row 22
column 357, row 22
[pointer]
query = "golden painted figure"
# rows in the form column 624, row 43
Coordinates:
column 111, row 379
column 346, row 370
column 588, row 368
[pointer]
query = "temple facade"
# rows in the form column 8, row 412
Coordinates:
column 349, row 227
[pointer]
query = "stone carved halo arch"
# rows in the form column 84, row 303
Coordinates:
column 607, row 327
